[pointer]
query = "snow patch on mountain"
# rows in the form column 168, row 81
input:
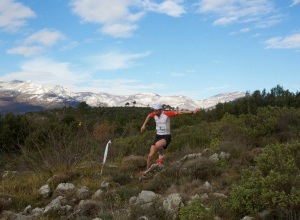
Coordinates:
column 27, row 91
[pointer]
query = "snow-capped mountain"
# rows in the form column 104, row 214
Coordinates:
column 20, row 96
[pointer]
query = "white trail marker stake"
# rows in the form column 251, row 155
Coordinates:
column 105, row 155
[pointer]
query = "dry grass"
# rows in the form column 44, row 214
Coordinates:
column 133, row 163
column 5, row 201
column 62, row 178
column 187, row 189
column 91, row 208
column 23, row 188
column 121, row 186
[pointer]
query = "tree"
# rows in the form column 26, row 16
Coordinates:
column 13, row 132
column 83, row 106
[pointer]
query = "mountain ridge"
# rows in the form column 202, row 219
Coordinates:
column 16, row 95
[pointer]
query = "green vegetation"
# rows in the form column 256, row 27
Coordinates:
column 261, row 132
column 195, row 210
column 273, row 185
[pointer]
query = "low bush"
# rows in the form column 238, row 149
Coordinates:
column 151, row 211
column 273, row 185
column 121, row 178
column 195, row 210
column 163, row 180
column 133, row 163
column 201, row 168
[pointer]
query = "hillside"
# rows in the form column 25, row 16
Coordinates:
column 239, row 159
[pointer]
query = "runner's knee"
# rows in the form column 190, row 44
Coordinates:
column 150, row 156
column 153, row 151
column 160, row 144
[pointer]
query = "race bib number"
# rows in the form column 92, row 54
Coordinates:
column 160, row 128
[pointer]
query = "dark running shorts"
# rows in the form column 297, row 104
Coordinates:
column 166, row 137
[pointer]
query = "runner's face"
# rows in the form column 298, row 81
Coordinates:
column 158, row 112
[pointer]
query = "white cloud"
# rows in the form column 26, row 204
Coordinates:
column 70, row 45
column 13, row 15
column 115, row 60
column 169, row 7
column 270, row 21
column 49, row 72
column 288, row 42
column 230, row 11
column 225, row 20
column 112, row 86
column 122, row 86
column 101, row 11
column 37, row 43
column 295, row 2
column 26, row 51
column 218, row 61
column 111, row 14
column 216, row 88
column 119, row 17
column 118, row 30
column 245, row 30
column 44, row 37
column 46, row 71
column 175, row 74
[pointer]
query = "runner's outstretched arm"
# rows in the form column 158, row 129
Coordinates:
column 188, row 112
column 145, row 123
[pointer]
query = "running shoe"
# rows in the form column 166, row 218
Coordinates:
column 160, row 160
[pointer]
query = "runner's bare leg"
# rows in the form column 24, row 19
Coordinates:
column 154, row 149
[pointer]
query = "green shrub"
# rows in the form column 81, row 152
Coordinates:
column 163, row 179
column 151, row 211
column 137, row 145
column 273, row 185
column 194, row 137
column 121, row 178
column 195, row 210
column 202, row 168
column 126, row 192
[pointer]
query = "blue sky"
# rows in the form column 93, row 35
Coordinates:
column 195, row 48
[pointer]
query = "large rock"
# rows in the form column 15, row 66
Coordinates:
column 172, row 205
column 45, row 191
column 65, row 189
column 190, row 156
column 83, row 193
column 144, row 199
column 57, row 206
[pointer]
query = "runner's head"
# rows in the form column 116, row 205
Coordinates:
column 158, row 108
